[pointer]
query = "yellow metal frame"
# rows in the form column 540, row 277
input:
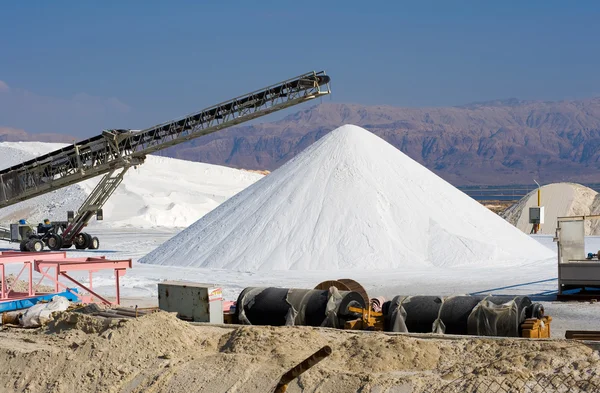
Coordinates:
column 370, row 320
column 536, row 328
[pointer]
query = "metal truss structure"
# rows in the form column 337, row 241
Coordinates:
column 94, row 202
column 116, row 149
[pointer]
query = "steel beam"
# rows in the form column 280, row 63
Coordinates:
column 115, row 149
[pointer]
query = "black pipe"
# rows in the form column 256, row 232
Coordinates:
column 323, row 79
column 455, row 313
column 273, row 306
column 423, row 311
column 301, row 368
column 315, row 305
column 268, row 307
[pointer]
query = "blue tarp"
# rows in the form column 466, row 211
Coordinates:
column 20, row 304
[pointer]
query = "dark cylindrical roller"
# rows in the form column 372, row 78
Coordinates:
column 314, row 304
column 267, row 307
column 509, row 326
column 323, row 79
column 522, row 301
column 421, row 312
column 271, row 306
column 350, row 299
column 393, row 317
column 536, row 310
column 523, row 304
column 455, row 313
column 385, row 307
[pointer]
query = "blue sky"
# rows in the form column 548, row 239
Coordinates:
column 77, row 67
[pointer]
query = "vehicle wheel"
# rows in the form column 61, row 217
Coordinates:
column 95, row 243
column 35, row 245
column 88, row 240
column 54, row 242
column 23, row 245
column 83, row 241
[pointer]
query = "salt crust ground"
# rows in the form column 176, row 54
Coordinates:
column 159, row 353
column 351, row 201
column 139, row 285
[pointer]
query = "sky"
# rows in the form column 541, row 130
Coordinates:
column 77, row 67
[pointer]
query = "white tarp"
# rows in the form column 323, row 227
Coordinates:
column 40, row 313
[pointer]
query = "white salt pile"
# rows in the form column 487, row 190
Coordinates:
column 163, row 192
column 349, row 201
column 559, row 200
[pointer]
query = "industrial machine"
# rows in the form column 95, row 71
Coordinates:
column 294, row 306
column 191, row 301
column 52, row 235
column 113, row 152
column 578, row 273
column 501, row 316
column 338, row 307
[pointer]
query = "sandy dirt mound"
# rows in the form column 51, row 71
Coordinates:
column 158, row 353
column 73, row 321
column 23, row 286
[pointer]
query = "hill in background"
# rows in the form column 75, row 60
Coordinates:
column 8, row 134
column 496, row 142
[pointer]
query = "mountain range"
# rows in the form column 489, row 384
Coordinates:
column 8, row 134
column 497, row 142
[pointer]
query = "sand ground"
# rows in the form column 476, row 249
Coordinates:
column 159, row 353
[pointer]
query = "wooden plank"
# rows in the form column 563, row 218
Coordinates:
column 592, row 335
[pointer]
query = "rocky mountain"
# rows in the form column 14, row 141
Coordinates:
column 8, row 134
column 497, row 142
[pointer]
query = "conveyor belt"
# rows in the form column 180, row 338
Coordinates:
column 115, row 149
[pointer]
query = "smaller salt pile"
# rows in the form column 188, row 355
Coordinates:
column 163, row 192
column 559, row 200
column 349, row 201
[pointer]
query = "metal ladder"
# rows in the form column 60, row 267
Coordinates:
column 94, row 202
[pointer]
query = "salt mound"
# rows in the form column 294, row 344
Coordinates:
column 349, row 201
column 163, row 192
column 559, row 200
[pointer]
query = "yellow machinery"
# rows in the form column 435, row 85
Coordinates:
column 369, row 320
column 373, row 320
column 536, row 328
column 496, row 316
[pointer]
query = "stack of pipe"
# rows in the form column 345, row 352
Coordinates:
column 290, row 306
column 465, row 314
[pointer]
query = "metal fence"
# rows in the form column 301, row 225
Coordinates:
column 507, row 192
column 562, row 376
column 557, row 383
